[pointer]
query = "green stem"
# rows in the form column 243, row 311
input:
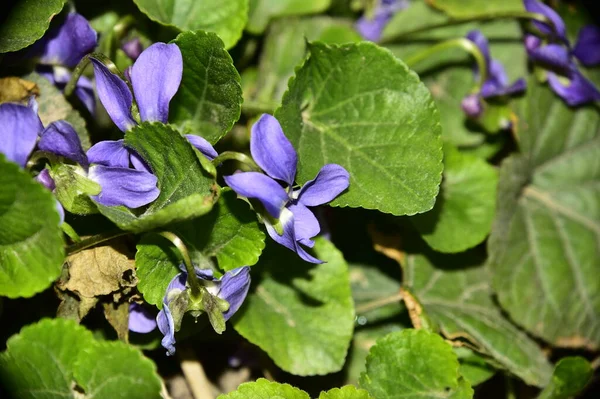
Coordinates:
column 94, row 240
column 258, row 107
column 78, row 71
column 123, row 26
column 70, row 231
column 531, row 16
column 236, row 156
column 462, row 43
column 195, row 286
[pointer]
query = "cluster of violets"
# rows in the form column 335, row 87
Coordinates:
column 552, row 52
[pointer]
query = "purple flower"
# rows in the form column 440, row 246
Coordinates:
column 496, row 84
column 141, row 320
column 273, row 152
column 22, row 128
column 558, row 31
column 63, row 47
column 133, row 48
column 371, row 27
column 587, row 48
column 232, row 287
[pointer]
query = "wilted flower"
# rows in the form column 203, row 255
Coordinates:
column 274, row 153
column 371, row 27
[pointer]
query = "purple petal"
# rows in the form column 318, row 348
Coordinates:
column 177, row 283
column 109, row 153
column 587, row 48
column 133, row 48
column 272, row 151
column 155, row 78
column 67, row 44
column 114, row 95
column 288, row 238
column 166, row 325
column 371, row 29
column 553, row 56
column 61, row 212
column 540, row 8
column 306, row 225
column 234, row 288
column 472, row 106
column 141, row 320
column 21, row 126
column 46, row 180
column 330, row 182
column 519, row 86
column 61, row 139
column 259, row 186
column 203, row 146
column 121, row 186
column 577, row 92
column 85, row 92
column 138, row 162
column 482, row 44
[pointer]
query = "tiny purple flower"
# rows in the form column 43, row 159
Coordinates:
column 232, row 287
column 133, row 48
column 371, row 28
column 274, row 153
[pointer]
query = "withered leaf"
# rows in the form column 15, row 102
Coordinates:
column 117, row 315
column 16, row 90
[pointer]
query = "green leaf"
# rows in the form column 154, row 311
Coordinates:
column 310, row 305
column 31, row 243
column 570, row 377
column 261, row 11
column 285, row 48
column 263, row 388
column 226, row 18
column 73, row 189
column 209, row 98
column 108, row 370
column 413, row 364
column 358, row 106
column 369, row 284
column 473, row 366
column 52, row 106
column 347, row 392
column 187, row 190
column 546, row 238
column 454, row 291
column 473, row 8
column 25, row 22
column 466, row 203
column 39, row 361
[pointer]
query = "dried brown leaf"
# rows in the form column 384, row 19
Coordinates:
column 16, row 90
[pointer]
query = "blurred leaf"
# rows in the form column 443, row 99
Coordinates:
column 262, row 388
column 415, row 363
column 308, row 306
column 358, row 106
column 545, row 242
column 209, row 98
column 226, row 18
column 261, row 11
column 473, row 366
column 347, row 392
column 25, row 22
column 570, row 377
column 466, row 203
column 369, row 285
column 31, row 243
column 187, row 190
column 473, row 8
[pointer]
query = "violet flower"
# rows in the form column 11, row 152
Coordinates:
column 120, row 186
column 61, row 48
column 564, row 76
column 232, row 287
column 371, row 28
column 273, row 152
column 141, row 320
column 496, row 85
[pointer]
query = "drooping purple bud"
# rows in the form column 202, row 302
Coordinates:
column 133, row 48
column 472, row 106
column 46, row 180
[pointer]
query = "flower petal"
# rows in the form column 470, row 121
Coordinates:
column 21, row 126
column 155, row 78
column 85, row 92
column 272, row 151
column 138, row 162
column 203, row 146
column 166, row 325
column 306, row 225
column 288, row 238
column 587, row 48
column 46, row 180
column 109, row 153
column 61, row 139
column 553, row 56
column 133, row 48
column 579, row 90
column 121, row 186
column 472, row 106
column 372, row 28
column 114, row 95
column 141, row 320
column 538, row 7
column 234, row 288
column 482, row 44
column 259, row 186
column 330, row 182
column 68, row 43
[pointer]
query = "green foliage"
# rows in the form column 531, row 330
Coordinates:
column 544, row 243
column 471, row 8
column 209, row 98
column 31, row 244
column 73, row 189
column 347, row 392
column 310, row 305
column 262, row 388
column 25, row 22
column 570, row 376
column 187, row 190
column 261, row 11
column 358, row 106
column 226, row 18
column 414, row 364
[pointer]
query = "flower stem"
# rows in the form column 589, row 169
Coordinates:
column 378, row 303
column 524, row 15
column 460, row 42
column 78, row 71
column 236, row 156
column 196, row 288
column 94, row 240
